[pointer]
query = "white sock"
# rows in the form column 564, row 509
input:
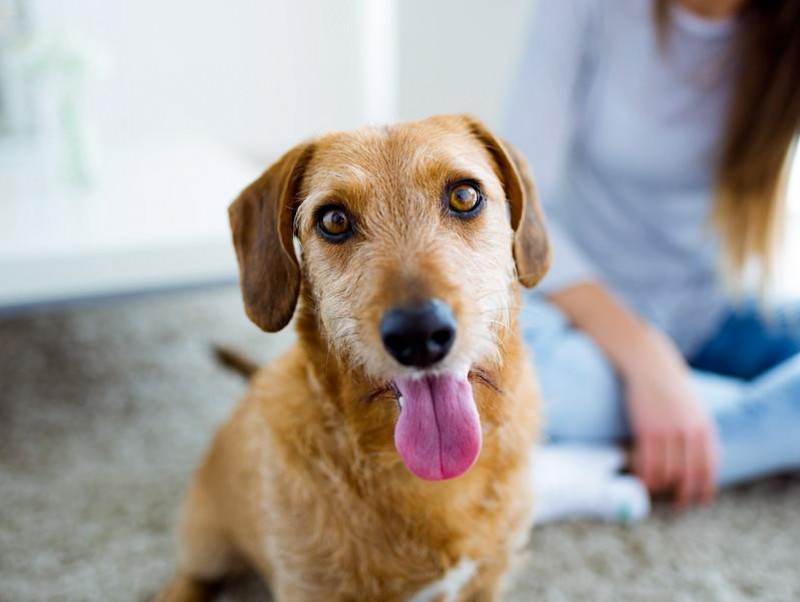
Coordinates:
column 581, row 481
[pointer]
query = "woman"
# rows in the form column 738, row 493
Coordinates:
column 659, row 134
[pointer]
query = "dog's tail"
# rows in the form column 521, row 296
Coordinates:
column 230, row 358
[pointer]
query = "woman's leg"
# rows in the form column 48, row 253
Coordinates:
column 582, row 399
column 759, row 427
column 749, row 343
column 577, row 475
column 758, row 421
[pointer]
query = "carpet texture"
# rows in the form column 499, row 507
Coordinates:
column 105, row 411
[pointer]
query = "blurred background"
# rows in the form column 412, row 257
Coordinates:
column 126, row 128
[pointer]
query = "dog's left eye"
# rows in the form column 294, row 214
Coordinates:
column 464, row 199
column 334, row 224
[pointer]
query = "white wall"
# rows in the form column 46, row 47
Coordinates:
column 459, row 55
column 198, row 98
column 257, row 75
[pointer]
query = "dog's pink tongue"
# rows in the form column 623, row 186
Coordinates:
column 438, row 433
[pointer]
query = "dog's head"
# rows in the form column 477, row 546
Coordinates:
column 412, row 240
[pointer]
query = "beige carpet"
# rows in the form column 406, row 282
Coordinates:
column 105, row 410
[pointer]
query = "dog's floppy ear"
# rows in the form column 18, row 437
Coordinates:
column 531, row 247
column 262, row 220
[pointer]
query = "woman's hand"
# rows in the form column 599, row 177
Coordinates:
column 675, row 440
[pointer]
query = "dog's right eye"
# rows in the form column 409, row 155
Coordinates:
column 464, row 199
column 334, row 224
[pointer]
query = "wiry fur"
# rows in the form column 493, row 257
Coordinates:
column 304, row 483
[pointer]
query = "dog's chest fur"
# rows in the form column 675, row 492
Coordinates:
column 343, row 519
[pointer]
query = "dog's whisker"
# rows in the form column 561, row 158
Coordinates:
column 340, row 318
column 388, row 388
column 480, row 375
column 501, row 323
column 503, row 308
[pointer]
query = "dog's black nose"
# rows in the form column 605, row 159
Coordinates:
column 419, row 335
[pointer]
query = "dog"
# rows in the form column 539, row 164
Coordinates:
column 386, row 456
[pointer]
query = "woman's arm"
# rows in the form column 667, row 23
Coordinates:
column 675, row 444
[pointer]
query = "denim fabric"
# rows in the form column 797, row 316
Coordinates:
column 755, row 397
column 750, row 342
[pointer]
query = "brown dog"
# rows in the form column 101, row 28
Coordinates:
column 386, row 456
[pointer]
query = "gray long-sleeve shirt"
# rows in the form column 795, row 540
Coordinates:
column 621, row 134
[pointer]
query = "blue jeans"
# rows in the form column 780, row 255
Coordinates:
column 748, row 374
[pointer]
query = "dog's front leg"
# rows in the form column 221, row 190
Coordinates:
column 184, row 589
column 489, row 584
column 286, row 590
column 487, row 593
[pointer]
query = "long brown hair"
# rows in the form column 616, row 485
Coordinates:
column 761, row 128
